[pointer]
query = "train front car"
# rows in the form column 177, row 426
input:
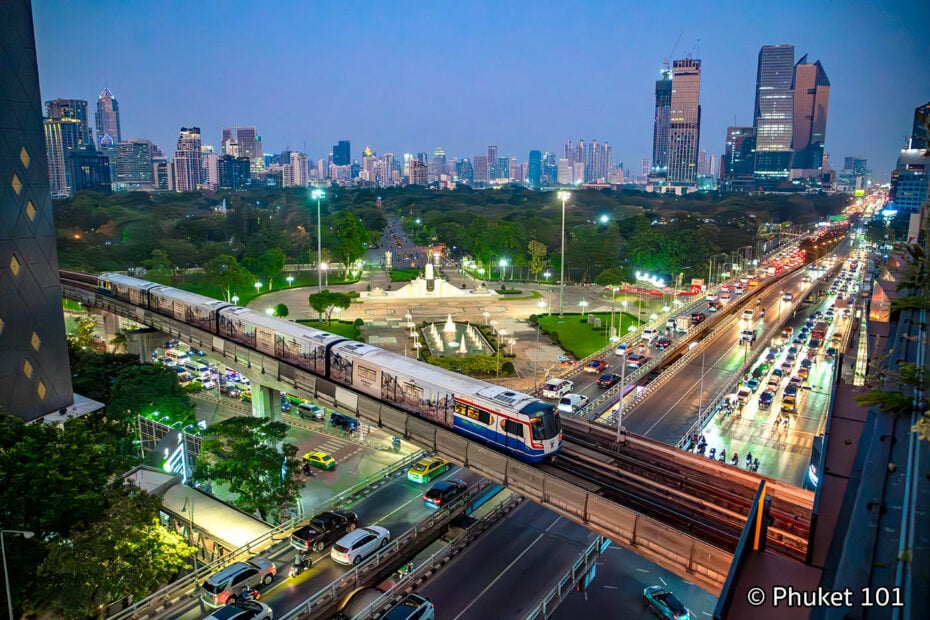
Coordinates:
column 516, row 423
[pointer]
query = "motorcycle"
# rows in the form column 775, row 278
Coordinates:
column 404, row 570
column 299, row 566
column 247, row 594
column 755, row 465
column 712, row 453
column 723, row 456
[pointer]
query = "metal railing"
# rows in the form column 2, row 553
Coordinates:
column 566, row 584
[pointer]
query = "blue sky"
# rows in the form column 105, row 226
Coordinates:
column 407, row 77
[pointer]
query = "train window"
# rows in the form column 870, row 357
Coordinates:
column 512, row 428
column 367, row 373
column 413, row 391
column 475, row 414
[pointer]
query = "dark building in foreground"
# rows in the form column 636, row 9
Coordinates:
column 739, row 158
column 234, row 172
column 342, row 153
column 35, row 376
column 90, row 171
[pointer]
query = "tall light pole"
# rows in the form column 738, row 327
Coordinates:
column 500, row 343
column 563, row 196
column 6, row 574
column 319, row 194
column 622, row 387
column 539, row 305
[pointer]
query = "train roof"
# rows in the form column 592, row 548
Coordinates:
column 460, row 384
column 282, row 326
column 129, row 280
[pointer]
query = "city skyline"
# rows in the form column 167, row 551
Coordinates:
column 463, row 101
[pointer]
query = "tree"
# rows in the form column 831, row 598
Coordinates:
column 126, row 552
column 224, row 270
column 281, row 310
column 82, row 337
column 537, row 252
column 271, row 263
column 351, row 237
column 119, row 342
column 326, row 301
column 612, row 277
column 242, row 452
column 143, row 390
column 159, row 262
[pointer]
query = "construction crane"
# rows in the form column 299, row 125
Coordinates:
column 693, row 51
column 668, row 59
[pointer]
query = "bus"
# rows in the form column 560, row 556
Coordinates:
column 820, row 330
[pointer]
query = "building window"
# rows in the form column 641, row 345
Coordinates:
column 27, row 369
column 17, row 185
column 30, row 211
column 14, row 265
column 40, row 389
column 24, row 157
column 36, row 341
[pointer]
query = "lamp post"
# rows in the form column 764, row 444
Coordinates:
column 235, row 299
column 319, row 194
column 613, row 306
column 563, row 196
column 258, row 288
column 487, row 315
column 583, row 304
column 547, row 275
column 622, row 387
column 324, row 268
column 503, row 266
column 539, row 305
column 290, row 280
column 191, row 524
column 6, row 574
column 500, row 336
column 701, row 388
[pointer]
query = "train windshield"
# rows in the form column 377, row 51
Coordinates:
column 544, row 420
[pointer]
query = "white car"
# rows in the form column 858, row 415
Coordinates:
column 650, row 334
column 748, row 314
column 622, row 349
column 359, row 544
column 209, row 384
column 571, row 403
column 243, row 610
column 557, row 388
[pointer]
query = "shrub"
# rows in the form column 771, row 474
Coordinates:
column 358, row 322
column 507, row 368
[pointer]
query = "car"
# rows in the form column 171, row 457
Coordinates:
column 184, row 377
column 608, row 379
column 229, row 390
column 806, row 363
column 445, row 492
column 636, row 360
column 786, row 367
column 714, row 306
column 243, row 610
column 428, row 468
column 748, row 314
column 570, row 403
column 773, row 384
column 595, row 366
column 803, row 372
column 285, row 406
column 359, row 544
column 793, row 350
column 650, row 334
column 753, row 384
column 340, row 420
column 323, row 530
column 209, row 384
column 197, row 352
column 411, row 607
column 743, row 394
column 697, row 317
column 795, row 381
column 320, row 460
column 168, row 362
column 309, row 411
column 788, row 404
column 791, row 390
column 778, row 372
column 224, row 586
column 665, row 603
column 556, row 388
column 621, row 349
column 765, row 399
column 662, row 343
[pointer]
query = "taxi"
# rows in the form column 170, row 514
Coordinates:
column 428, row 468
column 320, row 460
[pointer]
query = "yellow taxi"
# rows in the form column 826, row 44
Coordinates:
column 427, row 469
column 320, row 460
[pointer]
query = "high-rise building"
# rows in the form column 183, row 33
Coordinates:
column 660, row 128
column 569, row 153
column 296, row 172
column 234, row 172
column 187, row 166
column 244, row 142
column 534, row 170
column 66, row 132
column 550, row 169
column 89, row 170
column 210, row 164
column 35, row 375
column 419, row 173
column 811, row 100
column 466, row 172
column 481, row 169
column 74, row 109
column 578, row 173
column 515, row 171
column 739, row 157
column 684, row 125
column 162, row 174
column 134, row 164
column 920, row 136
column 503, row 168
column 437, row 166
column 342, row 153
column 564, row 174
column 774, row 112
column 493, row 171
column 107, row 117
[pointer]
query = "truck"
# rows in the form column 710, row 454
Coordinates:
column 682, row 323
column 819, row 331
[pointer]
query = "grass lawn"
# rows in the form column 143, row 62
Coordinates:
column 579, row 338
column 404, row 275
column 73, row 306
column 340, row 328
column 202, row 285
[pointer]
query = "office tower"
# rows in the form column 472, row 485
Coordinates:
column 244, row 142
column 234, row 172
column 712, row 166
column 739, row 156
column 162, row 174
column 423, row 157
column 920, row 136
column 564, row 174
column 295, row 173
column 578, row 173
column 550, row 169
column 210, row 163
column 481, row 169
column 342, row 153
column 187, row 167
column 419, row 173
column 534, row 170
column 569, row 153
column 466, row 171
column 35, row 375
column 134, row 164
column 580, row 158
column 702, row 162
column 437, row 166
column 644, row 166
column 75, row 109
column 387, row 168
column 493, row 171
column 811, row 99
column 89, row 170
column 602, row 170
column 503, row 168
column 66, row 132
column 774, row 112
column 684, row 123
column 660, row 128
column 107, row 117
column 515, row 171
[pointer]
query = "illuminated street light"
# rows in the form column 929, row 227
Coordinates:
column 583, row 304
column 563, row 196
column 487, row 315
column 235, row 299
column 503, row 266
column 604, row 219
column 319, row 194
column 290, row 280
column 324, row 269
column 258, row 287
column 269, row 311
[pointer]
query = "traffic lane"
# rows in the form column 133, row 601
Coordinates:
column 490, row 579
column 617, row 590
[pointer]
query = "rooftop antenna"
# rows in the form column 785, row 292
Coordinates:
column 667, row 63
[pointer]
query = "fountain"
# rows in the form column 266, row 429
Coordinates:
column 456, row 339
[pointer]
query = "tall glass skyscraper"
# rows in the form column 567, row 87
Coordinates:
column 660, row 130
column 811, row 89
column 534, row 169
column 684, row 122
column 342, row 153
column 107, row 121
column 774, row 113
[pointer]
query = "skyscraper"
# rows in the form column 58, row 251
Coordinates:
column 684, row 125
column 187, row 167
column 134, row 164
column 493, row 171
column 419, row 172
column 920, row 136
column 481, row 169
column 342, row 153
column 89, row 170
column 66, row 132
column 811, row 99
column 234, row 172
column 35, row 375
column 247, row 144
column 774, row 112
column 107, row 117
column 739, row 157
column 660, row 128
column 550, row 169
column 534, row 172
column 437, row 166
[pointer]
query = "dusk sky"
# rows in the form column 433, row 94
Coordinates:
column 407, row 77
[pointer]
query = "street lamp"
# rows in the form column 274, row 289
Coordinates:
column 583, row 304
column 563, row 196
column 500, row 336
column 324, row 268
column 503, row 266
column 6, row 575
column 319, row 194
column 547, row 275
column 622, row 387
column 269, row 311
column 235, row 299
column 512, row 342
column 539, row 305
column 290, row 280
column 258, row 287
column 613, row 306
column 487, row 315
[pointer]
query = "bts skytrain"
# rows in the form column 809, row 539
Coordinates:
column 515, row 423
